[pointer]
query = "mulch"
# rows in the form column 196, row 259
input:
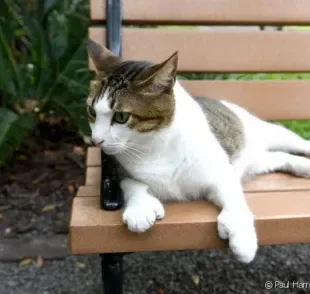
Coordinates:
column 38, row 184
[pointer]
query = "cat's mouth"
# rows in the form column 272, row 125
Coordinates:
column 110, row 151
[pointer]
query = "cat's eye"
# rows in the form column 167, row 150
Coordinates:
column 121, row 117
column 91, row 112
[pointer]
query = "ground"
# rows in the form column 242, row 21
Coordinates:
column 210, row 271
column 36, row 190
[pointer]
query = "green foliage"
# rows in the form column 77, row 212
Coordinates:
column 14, row 128
column 299, row 127
column 43, row 66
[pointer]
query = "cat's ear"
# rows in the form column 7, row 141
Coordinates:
column 102, row 58
column 161, row 76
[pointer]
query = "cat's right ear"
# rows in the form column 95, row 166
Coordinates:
column 102, row 58
column 161, row 76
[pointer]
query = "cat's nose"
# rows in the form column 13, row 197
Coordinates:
column 97, row 141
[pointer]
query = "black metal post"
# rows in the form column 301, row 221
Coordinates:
column 112, row 273
column 114, row 26
column 111, row 194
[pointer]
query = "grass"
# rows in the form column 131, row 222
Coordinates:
column 301, row 128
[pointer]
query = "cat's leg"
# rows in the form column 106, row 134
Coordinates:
column 235, row 221
column 278, row 138
column 271, row 161
column 141, row 208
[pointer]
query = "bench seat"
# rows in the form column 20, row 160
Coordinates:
column 280, row 202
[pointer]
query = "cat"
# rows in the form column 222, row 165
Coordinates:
column 170, row 146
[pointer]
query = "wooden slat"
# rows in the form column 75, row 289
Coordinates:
column 281, row 218
column 88, row 191
column 270, row 100
column 222, row 51
column 93, row 157
column 275, row 182
column 208, row 11
column 93, row 176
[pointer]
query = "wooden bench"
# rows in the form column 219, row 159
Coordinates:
column 281, row 203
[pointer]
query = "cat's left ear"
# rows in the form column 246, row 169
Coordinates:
column 162, row 75
column 102, row 58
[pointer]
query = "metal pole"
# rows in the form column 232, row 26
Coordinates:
column 111, row 194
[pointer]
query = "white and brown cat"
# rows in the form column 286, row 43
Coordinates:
column 172, row 146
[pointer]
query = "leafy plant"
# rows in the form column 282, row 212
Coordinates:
column 43, row 66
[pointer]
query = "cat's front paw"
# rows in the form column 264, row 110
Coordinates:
column 239, row 228
column 142, row 214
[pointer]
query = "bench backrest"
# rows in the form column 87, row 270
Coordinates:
column 222, row 50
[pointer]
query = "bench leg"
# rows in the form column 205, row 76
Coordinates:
column 112, row 272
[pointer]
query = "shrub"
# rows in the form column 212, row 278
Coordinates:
column 43, row 64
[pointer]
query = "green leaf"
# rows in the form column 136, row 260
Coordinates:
column 58, row 35
column 6, row 54
column 13, row 130
column 7, row 117
column 50, row 5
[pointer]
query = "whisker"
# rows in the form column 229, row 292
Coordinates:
column 133, row 153
column 135, row 150
column 130, row 149
column 123, row 151
column 137, row 145
column 133, row 146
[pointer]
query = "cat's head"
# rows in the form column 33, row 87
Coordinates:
column 130, row 100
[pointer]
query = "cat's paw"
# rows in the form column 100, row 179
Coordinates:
column 239, row 228
column 141, row 215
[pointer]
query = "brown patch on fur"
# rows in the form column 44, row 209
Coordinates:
column 147, row 125
column 148, row 113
